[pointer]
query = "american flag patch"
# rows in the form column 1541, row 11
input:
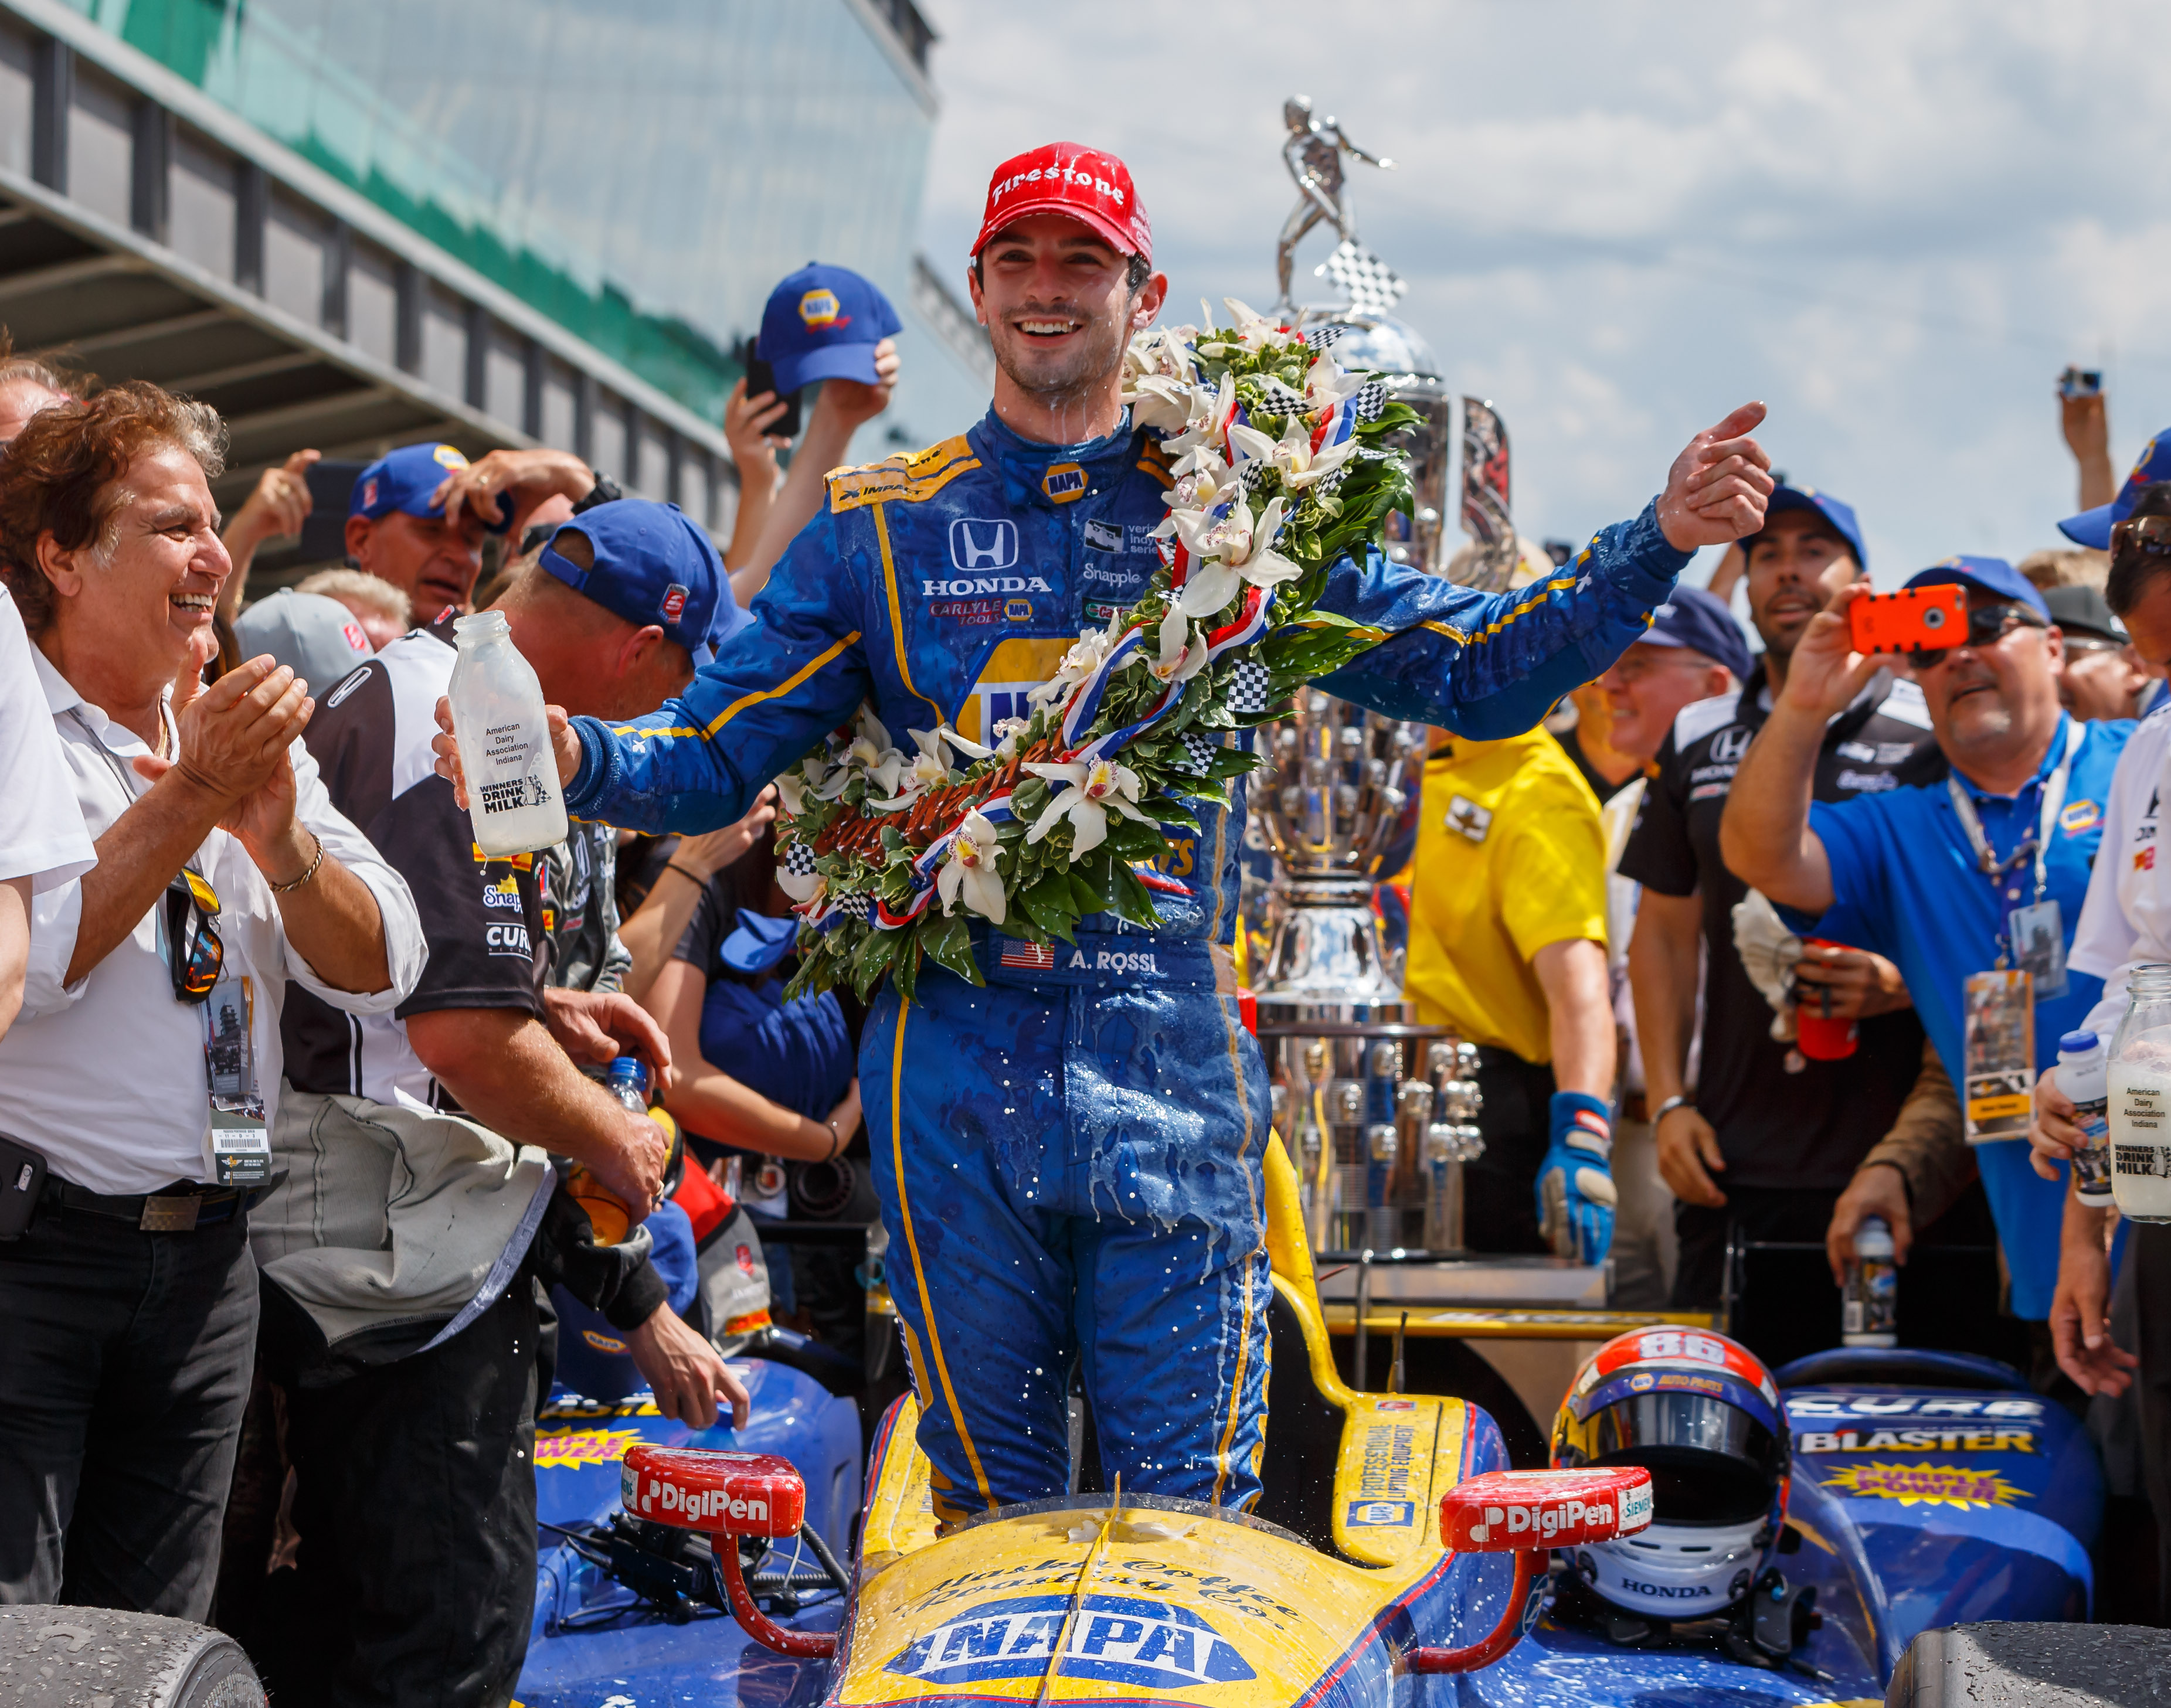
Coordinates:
column 1034, row 958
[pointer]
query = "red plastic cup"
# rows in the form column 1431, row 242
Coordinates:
column 1821, row 1037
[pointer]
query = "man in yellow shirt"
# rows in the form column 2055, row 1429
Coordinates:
column 1508, row 946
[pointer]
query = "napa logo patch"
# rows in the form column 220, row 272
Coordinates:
column 1397, row 1515
column 1119, row 1640
column 1017, row 610
column 448, row 457
column 1064, row 482
column 2081, row 815
column 570, row 1449
column 820, row 309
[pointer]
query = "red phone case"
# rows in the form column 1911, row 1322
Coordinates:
column 1912, row 618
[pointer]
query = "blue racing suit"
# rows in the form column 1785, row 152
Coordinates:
column 1069, row 1161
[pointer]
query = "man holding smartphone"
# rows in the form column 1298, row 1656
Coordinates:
column 1960, row 881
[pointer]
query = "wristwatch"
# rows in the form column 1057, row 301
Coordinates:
column 606, row 490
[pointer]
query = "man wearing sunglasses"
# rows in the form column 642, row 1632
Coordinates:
column 1948, row 879
column 144, row 1073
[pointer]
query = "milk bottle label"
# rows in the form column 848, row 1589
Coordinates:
column 2141, row 1146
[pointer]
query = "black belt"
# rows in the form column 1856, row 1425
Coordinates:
column 178, row 1210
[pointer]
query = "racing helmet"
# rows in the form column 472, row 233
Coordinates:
column 1702, row 1414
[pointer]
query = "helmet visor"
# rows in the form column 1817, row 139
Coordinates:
column 1710, row 1462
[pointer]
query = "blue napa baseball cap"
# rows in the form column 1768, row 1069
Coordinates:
column 823, row 323
column 652, row 565
column 1839, row 515
column 2092, row 527
column 1693, row 618
column 1991, row 576
column 405, row 480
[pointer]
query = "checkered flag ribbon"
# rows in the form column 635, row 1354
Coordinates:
column 1248, row 686
column 798, row 859
column 1323, row 337
column 856, row 907
column 1253, row 473
column 1198, row 754
column 1332, row 483
column 1371, row 399
column 1370, row 282
column 1281, row 399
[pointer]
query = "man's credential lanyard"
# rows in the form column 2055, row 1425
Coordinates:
column 2034, row 937
column 1998, row 1011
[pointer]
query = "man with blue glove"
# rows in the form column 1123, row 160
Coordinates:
column 1070, row 1164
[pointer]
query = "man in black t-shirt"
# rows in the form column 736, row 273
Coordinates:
column 1783, row 1132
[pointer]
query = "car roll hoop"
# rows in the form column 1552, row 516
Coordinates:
column 1530, row 1514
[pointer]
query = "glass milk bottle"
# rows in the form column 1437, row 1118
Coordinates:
column 2140, row 1098
column 498, row 719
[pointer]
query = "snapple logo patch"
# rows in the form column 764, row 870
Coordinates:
column 1117, row 1639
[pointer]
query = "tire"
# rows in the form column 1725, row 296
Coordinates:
column 99, row 1657
column 2033, row 1666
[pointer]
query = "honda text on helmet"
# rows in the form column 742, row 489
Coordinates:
column 1702, row 1414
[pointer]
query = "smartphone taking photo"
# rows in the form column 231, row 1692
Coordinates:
column 761, row 378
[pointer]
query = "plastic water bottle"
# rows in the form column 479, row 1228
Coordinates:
column 607, row 1215
column 1869, row 1315
column 2084, row 1076
column 504, row 737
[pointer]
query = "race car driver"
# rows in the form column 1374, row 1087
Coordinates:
column 1070, row 1162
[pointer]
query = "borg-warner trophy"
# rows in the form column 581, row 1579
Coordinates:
column 1375, row 1108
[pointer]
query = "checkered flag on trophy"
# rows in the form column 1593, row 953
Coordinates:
column 1370, row 281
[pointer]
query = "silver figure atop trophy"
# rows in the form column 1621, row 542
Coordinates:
column 1313, row 154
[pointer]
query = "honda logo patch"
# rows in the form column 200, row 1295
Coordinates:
column 976, row 543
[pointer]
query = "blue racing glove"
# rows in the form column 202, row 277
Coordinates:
column 1576, row 1194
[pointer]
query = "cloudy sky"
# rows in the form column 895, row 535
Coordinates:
column 1893, row 223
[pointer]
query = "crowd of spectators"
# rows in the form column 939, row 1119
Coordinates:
column 243, row 1329
column 1724, row 908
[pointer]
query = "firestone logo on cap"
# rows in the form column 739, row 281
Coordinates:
column 674, row 601
column 1065, row 177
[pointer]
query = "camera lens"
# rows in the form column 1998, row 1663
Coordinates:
column 1934, row 618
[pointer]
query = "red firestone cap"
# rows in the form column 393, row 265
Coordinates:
column 1068, row 178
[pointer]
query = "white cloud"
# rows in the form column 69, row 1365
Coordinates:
column 1893, row 223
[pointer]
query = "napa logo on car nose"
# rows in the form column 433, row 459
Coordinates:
column 1120, row 1639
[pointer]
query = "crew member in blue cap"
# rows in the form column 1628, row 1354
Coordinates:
column 418, row 515
column 1768, row 1139
column 622, row 602
column 1981, row 871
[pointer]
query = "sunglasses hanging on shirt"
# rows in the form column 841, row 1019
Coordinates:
column 194, row 954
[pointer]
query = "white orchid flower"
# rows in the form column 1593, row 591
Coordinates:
column 1209, row 414
column 870, row 753
column 805, row 888
column 1234, row 552
column 1328, row 383
column 1160, row 403
column 970, row 868
column 1203, row 480
column 1182, row 652
column 1090, row 790
column 1008, row 731
column 1299, row 464
column 1080, row 662
column 791, row 793
column 1254, row 330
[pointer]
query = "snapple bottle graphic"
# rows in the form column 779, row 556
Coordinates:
column 2140, row 1098
column 498, row 719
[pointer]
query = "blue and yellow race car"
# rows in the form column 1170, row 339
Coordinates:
column 1793, row 1531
